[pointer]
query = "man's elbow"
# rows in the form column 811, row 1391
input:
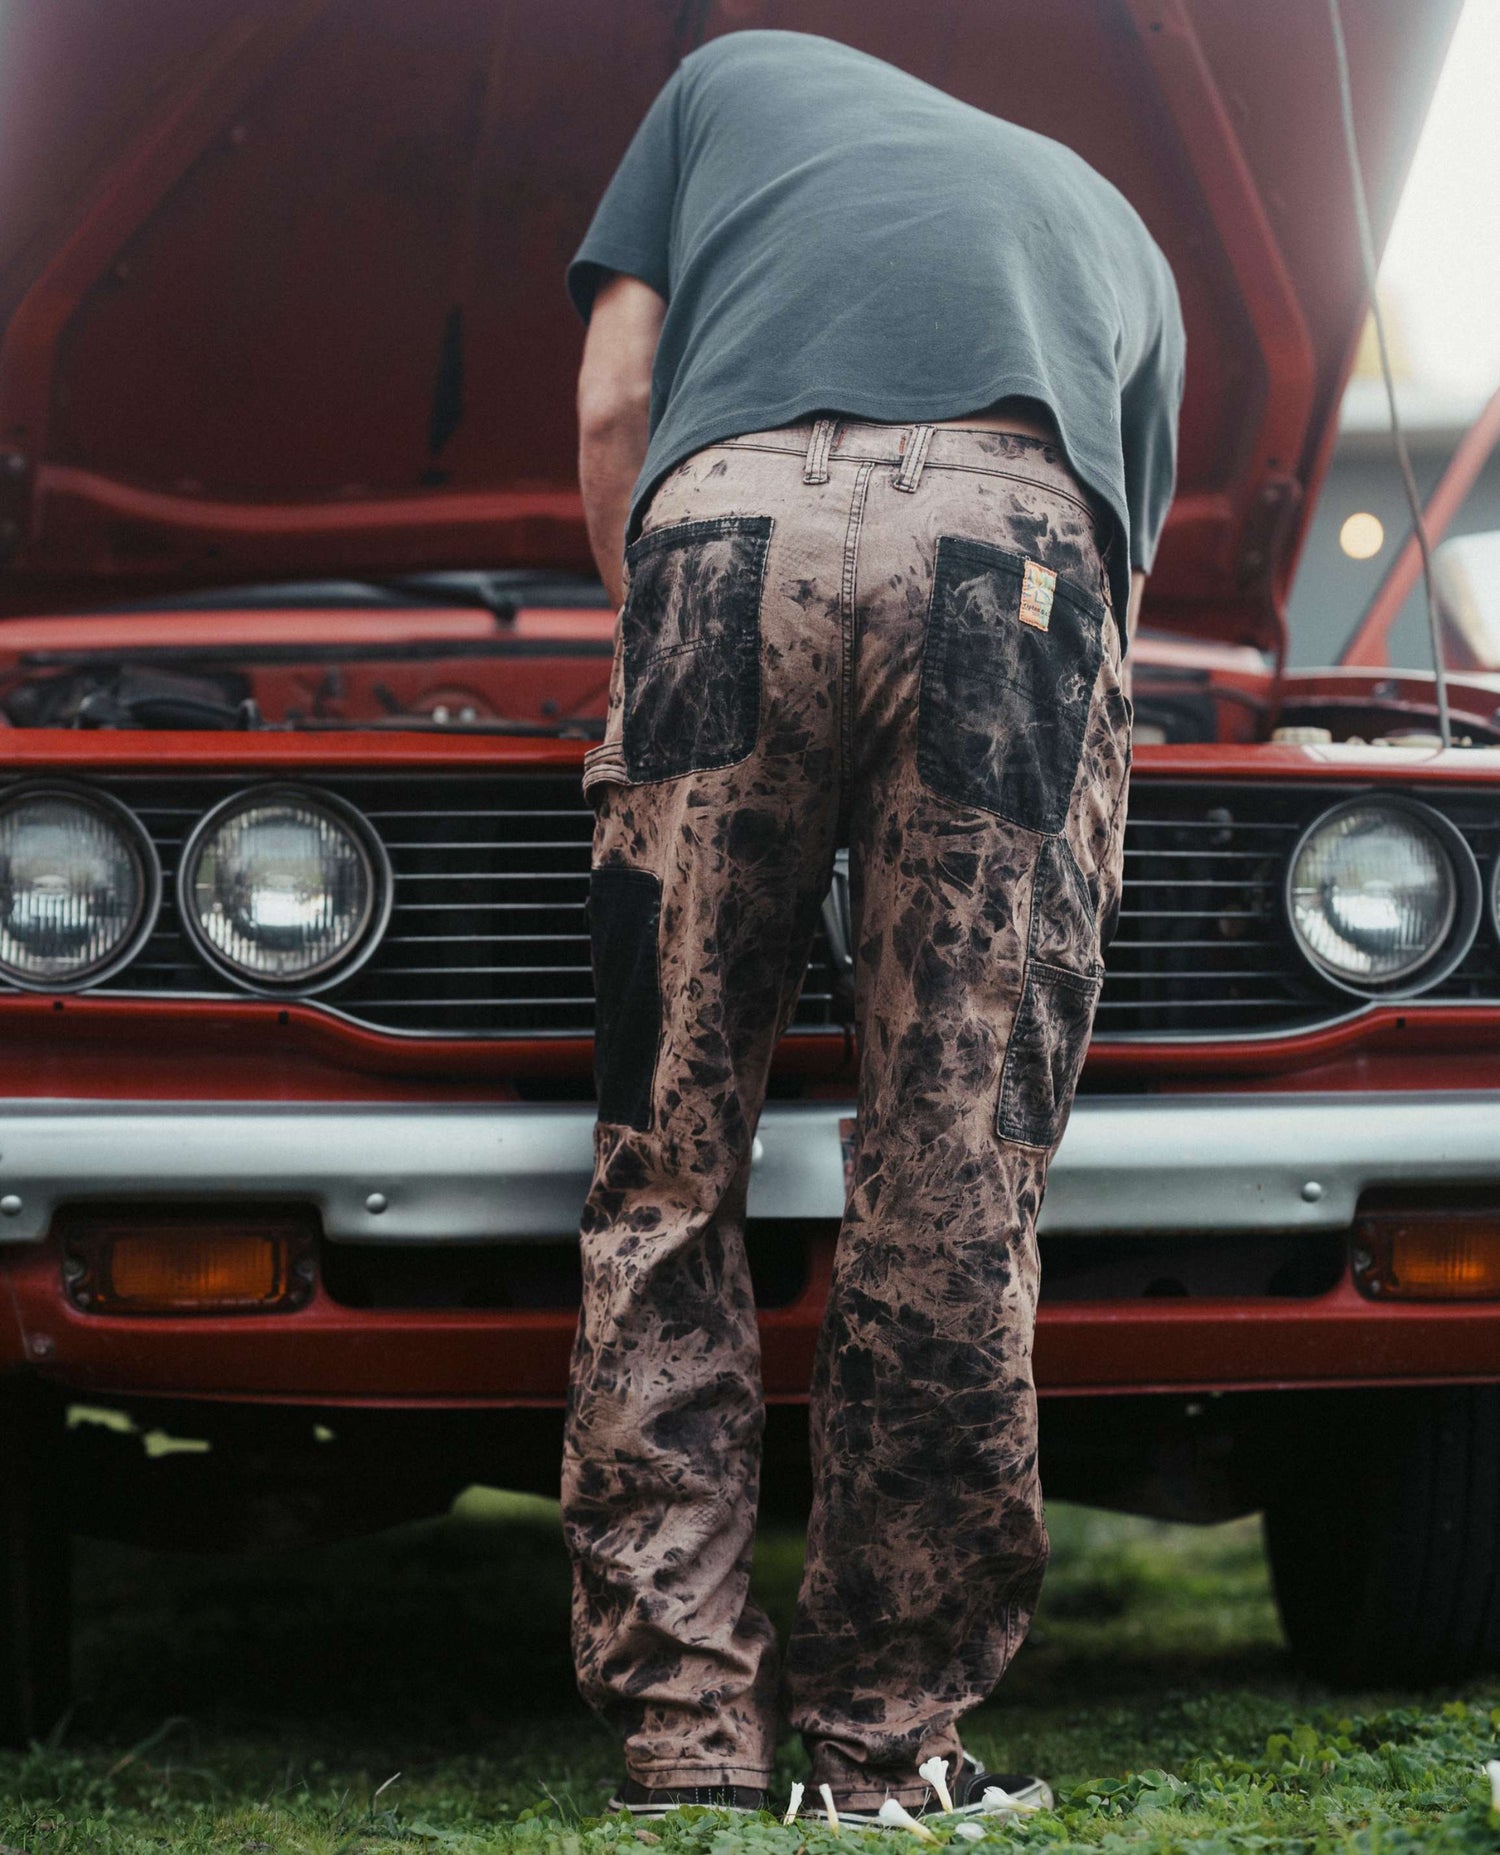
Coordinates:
column 611, row 406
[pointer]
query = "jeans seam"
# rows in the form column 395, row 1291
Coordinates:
column 847, row 624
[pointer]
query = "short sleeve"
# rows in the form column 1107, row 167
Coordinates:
column 632, row 230
column 1150, row 403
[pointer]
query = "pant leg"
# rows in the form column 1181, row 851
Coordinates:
column 985, row 850
column 716, row 798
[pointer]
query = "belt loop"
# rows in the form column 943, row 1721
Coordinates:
column 913, row 457
column 815, row 470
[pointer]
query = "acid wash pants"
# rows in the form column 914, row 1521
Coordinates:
column 902, row 634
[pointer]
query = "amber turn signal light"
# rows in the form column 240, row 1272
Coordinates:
column 1438, row 1255
column 182, row 1260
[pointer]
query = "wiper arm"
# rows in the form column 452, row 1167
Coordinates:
column 503, row 592
column 581, row 730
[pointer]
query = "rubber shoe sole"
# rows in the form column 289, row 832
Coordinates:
column 643, row 1804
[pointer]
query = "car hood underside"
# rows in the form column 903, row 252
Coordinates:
column 281, row 285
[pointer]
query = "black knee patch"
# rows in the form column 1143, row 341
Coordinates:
column 624, row 924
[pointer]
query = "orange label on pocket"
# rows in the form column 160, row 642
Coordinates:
column 1037, row 587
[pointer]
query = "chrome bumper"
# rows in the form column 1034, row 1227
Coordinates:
column 456, row 1175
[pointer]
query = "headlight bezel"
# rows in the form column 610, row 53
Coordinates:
column 1492, row 891
column 1463, row 923
column 148, row 866
column 365, row 837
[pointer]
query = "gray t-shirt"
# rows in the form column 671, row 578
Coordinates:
column 832, row 235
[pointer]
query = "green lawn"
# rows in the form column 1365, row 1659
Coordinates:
column 269, row 1704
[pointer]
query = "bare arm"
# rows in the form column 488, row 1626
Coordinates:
column 614, row 404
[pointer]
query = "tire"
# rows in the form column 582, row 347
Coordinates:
column 35, row 1566
column 1382, row 1543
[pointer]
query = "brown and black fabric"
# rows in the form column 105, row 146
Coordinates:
column 899, row 638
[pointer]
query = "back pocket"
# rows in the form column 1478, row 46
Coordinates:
column 691, row 640
column 1005, row 688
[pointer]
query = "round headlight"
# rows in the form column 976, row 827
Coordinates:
column 284, row 889
column 79, row 887
column 1375, row 890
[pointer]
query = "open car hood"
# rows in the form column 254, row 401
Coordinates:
column 281, row 281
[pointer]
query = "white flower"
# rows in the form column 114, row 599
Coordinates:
column 794, row 1806
column 935, row 1771
column 1492, row 1771
column 826, row 1793
column 971, row 1832
column 894, row 1817
column 996, row 1802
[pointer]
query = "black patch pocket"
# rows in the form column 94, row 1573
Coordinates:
column 691, row 632
column 1045, row 1054
column 624, row 923
column 1004, row 705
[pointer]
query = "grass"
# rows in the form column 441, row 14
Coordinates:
column 268, row 1705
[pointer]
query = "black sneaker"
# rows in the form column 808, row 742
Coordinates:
column 967, row 1786
column 640, row 1801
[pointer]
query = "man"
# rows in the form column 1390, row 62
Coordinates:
column 882, row 392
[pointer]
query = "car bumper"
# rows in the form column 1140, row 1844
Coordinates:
column 1132, row 1166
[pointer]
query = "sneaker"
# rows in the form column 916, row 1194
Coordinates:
column 643, row 1803
column 968, row 1785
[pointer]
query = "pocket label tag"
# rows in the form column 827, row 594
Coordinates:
column 1038, row 584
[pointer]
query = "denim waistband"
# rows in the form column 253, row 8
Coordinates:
column 911, row 449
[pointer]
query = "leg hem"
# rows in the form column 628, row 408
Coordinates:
column 683, row 1777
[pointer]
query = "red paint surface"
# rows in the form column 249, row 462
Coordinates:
column 239, row 246
column 34, row 750
column 150, row 1050
column 330, row 1354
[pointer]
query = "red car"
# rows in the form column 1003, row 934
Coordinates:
column 299, row 656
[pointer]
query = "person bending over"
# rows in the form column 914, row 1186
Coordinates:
column 878, row 416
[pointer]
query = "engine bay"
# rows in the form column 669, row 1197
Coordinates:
column 493, row 654
column 529, row 654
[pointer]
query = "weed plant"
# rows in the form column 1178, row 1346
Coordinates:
column 413, row 1693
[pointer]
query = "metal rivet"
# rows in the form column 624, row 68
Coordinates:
column 41, row 1346
column 1312, row 1191
column 376, row 1203
column 10, row 1205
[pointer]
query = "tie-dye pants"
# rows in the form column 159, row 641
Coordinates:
column 899, row 638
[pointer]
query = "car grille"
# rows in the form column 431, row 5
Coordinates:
column 1202, row 948
column 488, row 935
